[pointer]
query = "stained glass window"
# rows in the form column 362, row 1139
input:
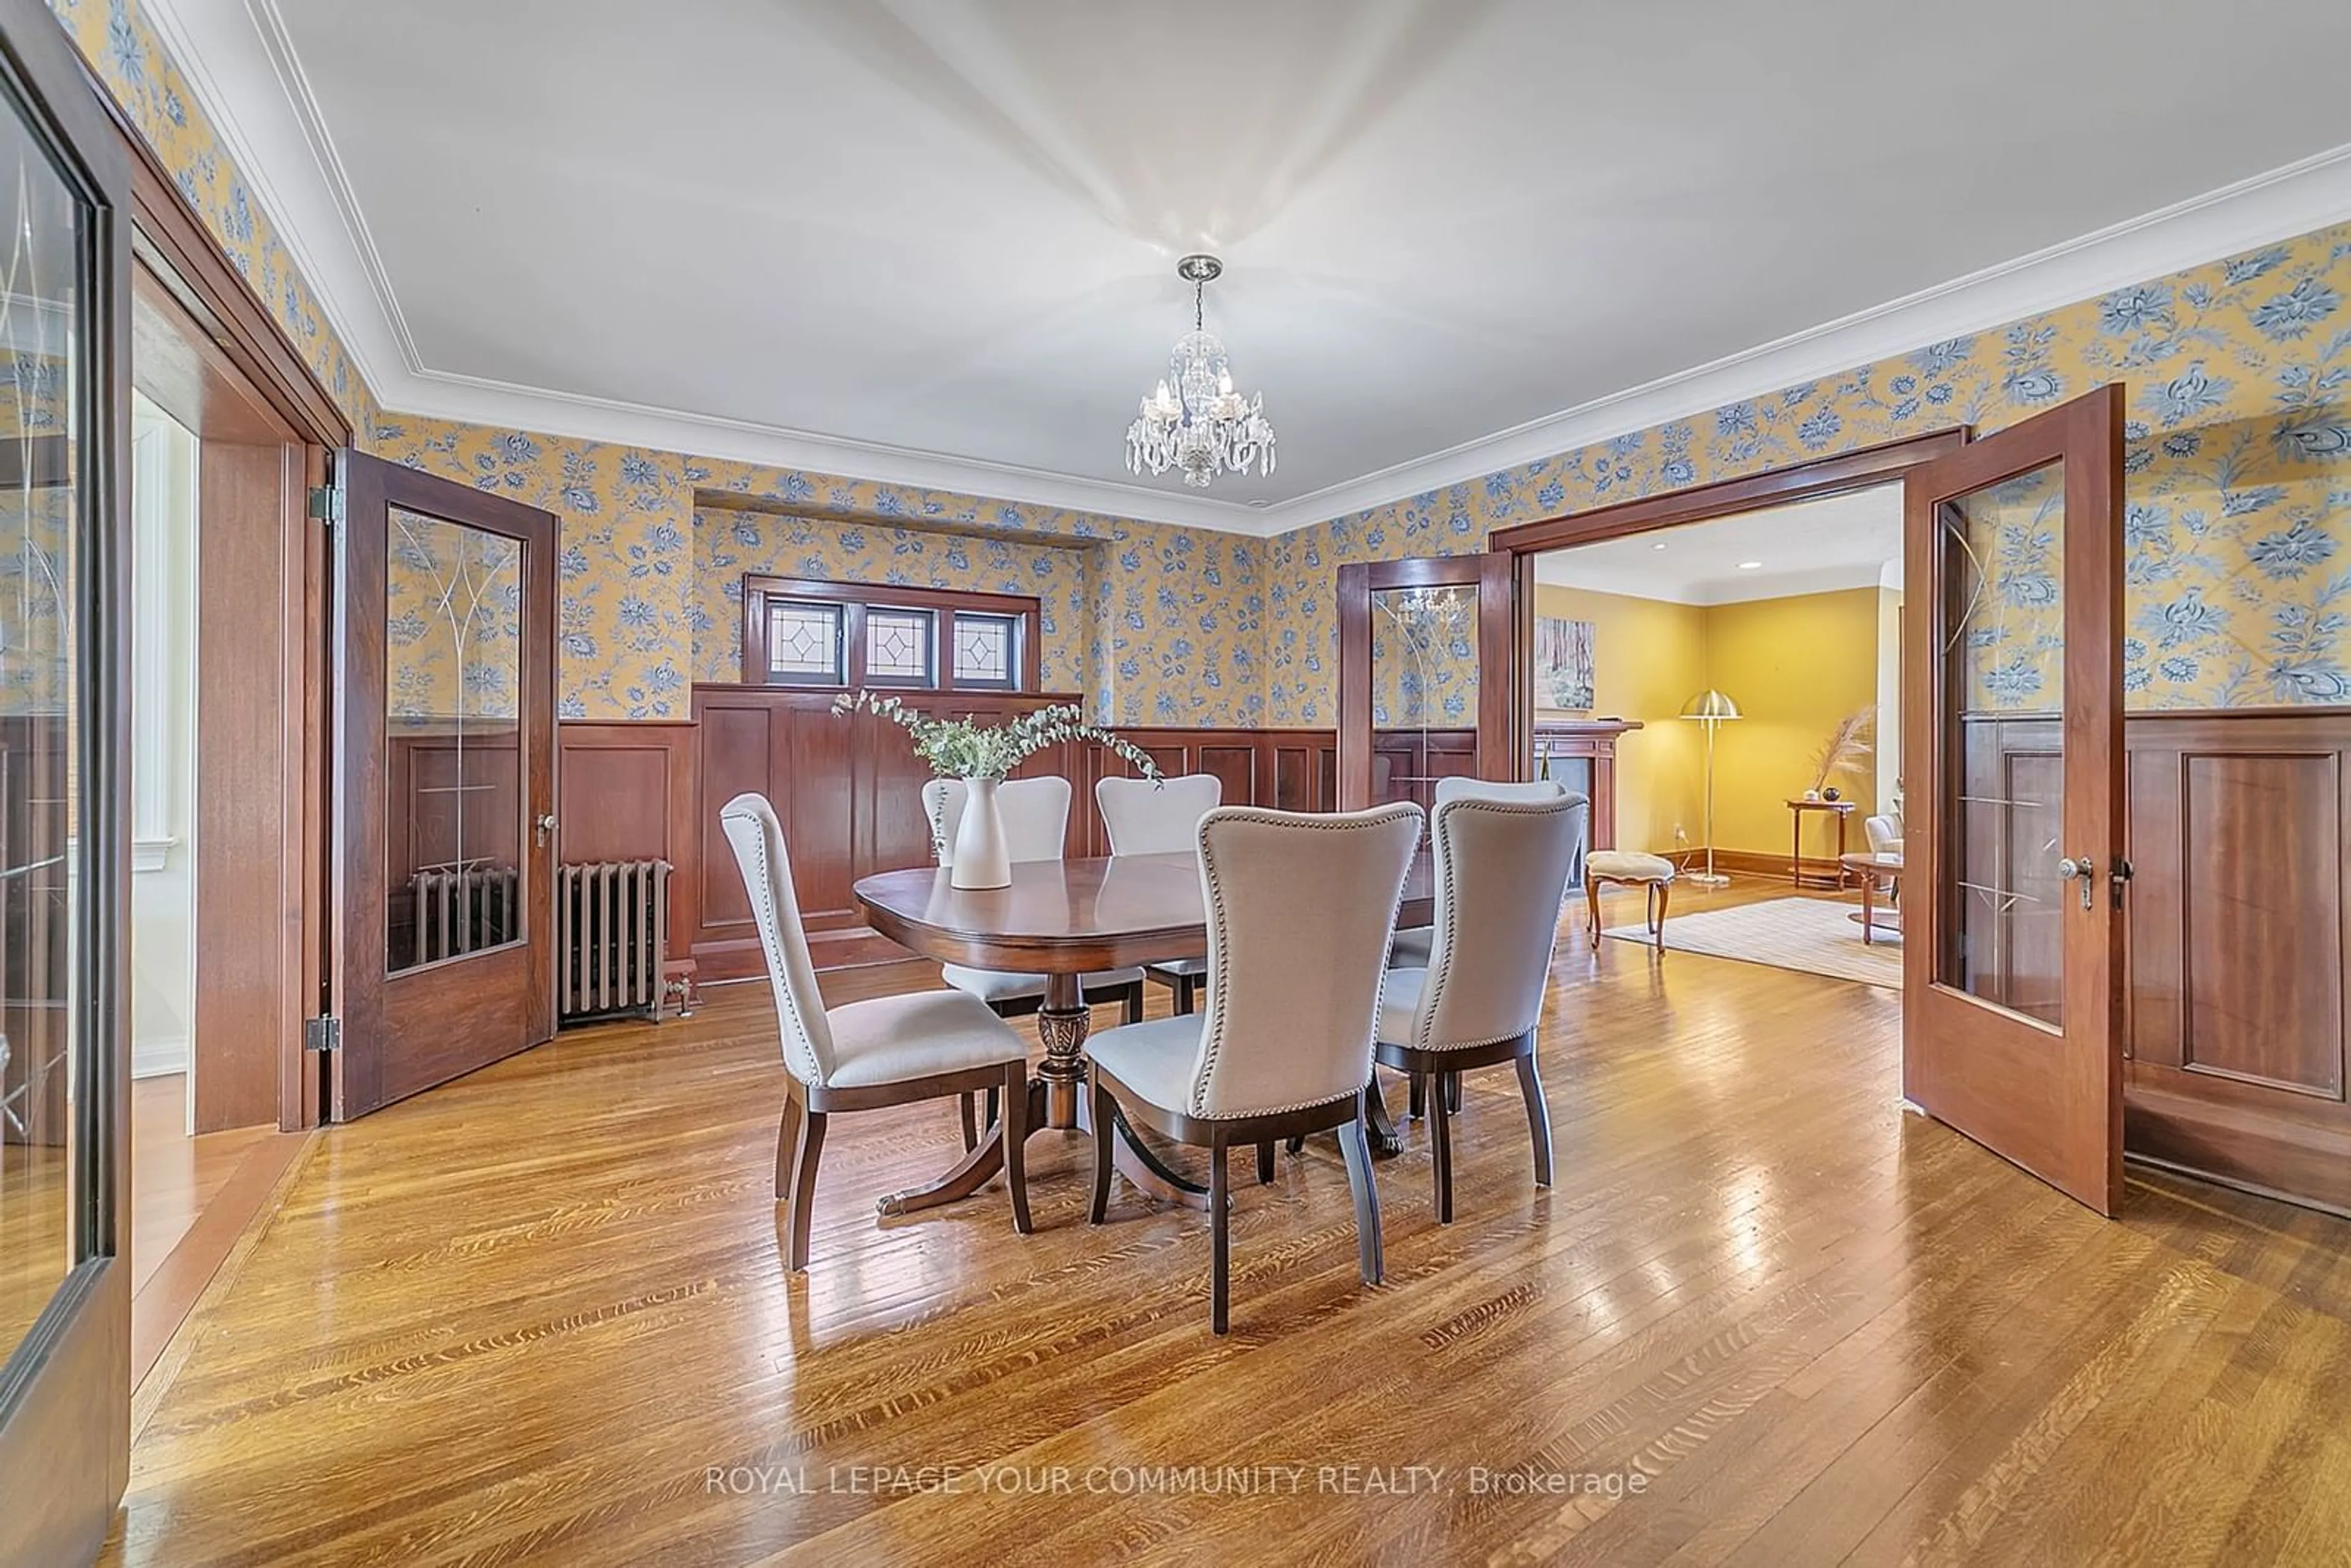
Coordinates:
column 984, row 649
column 897, row 648
column 805, row 645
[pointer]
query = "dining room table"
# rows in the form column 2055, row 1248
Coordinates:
column 1065, row 919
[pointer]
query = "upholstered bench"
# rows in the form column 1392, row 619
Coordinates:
column 1654, row 872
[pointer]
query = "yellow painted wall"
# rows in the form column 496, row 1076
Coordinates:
column 1794, row 666
column 1648, row 657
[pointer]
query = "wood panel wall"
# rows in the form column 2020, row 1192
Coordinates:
column 2239, row 941
column 2239, row 933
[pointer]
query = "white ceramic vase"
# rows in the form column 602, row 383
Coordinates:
column 982, row 858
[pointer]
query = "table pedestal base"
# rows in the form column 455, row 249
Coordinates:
column 1057, row 1100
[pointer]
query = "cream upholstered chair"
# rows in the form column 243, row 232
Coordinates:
column 1148, row 818
column 1411, row 944
column 1035, row 825
column 1291, row 897
column 1653, row 874
column 890, row 1050
column 1502, row 866
column 1884, row 834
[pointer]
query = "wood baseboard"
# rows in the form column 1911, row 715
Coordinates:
column 1754, row 864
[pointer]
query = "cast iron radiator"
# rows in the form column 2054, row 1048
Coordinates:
column 611, row 934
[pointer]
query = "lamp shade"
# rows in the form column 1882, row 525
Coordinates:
column 1709, row 703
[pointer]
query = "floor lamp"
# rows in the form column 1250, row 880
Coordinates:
column 1710, row 708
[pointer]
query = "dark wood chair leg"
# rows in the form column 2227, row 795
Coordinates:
column 1296, row 1144
column 1187, row 993
column 1265, row 1162
column 803, row 1199
column 1592, row 903
column 1453, row 1092
column 1105, row 1113
column 1664, row 894
column 788, row 1143
column 1538, row 1117
column 1133, row 998
column 1440, row 1153
column 1016, row 1139
column 1416, row 1096
column 970, row 1123
column 1357, row 1148
column 1219, row 1237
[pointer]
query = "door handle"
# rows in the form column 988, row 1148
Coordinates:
column 546, row 826
column 2080, row 869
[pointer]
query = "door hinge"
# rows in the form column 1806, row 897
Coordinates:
column 324, row 1035
column 327, row 503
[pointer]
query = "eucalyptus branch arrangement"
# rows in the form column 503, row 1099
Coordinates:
column 963, row 749
column 1847, row 745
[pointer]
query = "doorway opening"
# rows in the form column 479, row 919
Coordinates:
column 1726, row 692
column 220, row 697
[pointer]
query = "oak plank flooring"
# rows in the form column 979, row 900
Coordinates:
column 517, row 1319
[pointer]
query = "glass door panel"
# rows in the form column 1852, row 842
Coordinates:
column 2003, row 549
column 65, row 412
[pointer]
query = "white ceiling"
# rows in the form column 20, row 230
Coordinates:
column 933, row 240
column 1853, row 540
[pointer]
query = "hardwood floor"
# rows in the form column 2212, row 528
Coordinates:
column 538, row 1315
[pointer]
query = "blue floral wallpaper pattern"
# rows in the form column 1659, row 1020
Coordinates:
column 2239, row 477
column 2240, row 488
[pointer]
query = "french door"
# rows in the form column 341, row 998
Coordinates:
column 64, row 415
column 1424, row 676
column 445, row 634
column 2013, row 805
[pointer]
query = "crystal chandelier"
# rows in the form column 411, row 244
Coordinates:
column 1201, row 424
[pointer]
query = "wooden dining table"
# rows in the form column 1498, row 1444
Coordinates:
column 1065, row 919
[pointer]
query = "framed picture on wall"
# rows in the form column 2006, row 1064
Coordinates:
column 1562, row 664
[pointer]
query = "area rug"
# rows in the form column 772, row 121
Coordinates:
column 1813, row 934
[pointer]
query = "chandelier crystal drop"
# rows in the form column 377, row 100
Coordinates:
column 1195, row 421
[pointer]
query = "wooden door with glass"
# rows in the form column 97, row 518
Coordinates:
column 1426, row 667
column 65, row 1224
column 445, row 781
column 2013, row 870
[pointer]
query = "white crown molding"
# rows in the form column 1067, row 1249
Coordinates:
column 244, row 74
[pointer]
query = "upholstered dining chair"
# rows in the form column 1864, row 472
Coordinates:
column 1036, row 826
column 1411, row 944
column 1289, row 897
column 890, row 1050
column 1148, row 818
column 1502, row 865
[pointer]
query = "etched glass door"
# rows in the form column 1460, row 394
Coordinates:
column 2013, row 702
column 445, row 610
column 65, row 411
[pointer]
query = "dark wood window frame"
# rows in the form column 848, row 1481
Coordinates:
column 856, row 598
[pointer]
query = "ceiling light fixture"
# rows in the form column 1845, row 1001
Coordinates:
column 1201, row 424
column 1749, row 565
column 1659, row 545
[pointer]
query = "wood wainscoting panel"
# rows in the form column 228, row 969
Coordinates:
column 626, row 792
column 2239, row 945
column 2260, row 848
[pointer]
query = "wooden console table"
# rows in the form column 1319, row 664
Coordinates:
column 1843, row 810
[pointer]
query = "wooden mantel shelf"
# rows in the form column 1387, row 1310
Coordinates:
column 1584, row 725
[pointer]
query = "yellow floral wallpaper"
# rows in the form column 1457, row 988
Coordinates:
column 2238, row 486
column 132, row 63
column 731, row 539
column 2238, row 370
